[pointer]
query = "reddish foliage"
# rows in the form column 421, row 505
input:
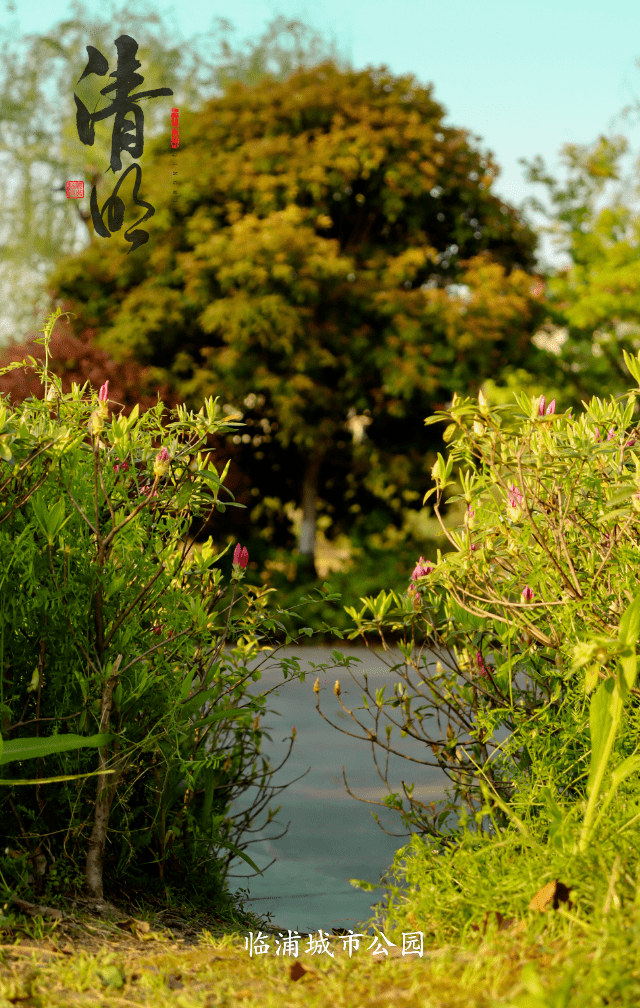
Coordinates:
column 78, row 359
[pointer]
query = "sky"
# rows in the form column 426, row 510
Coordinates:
column 524, row 78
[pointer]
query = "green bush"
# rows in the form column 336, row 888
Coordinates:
column 531, row 592
column 112, row 631
column 536, row 615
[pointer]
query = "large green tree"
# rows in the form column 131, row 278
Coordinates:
column 334, row 264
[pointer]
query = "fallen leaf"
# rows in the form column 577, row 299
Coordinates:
column 551, row 895
column 296, row 970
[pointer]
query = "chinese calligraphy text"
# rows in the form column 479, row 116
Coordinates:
column 127, row 135
column 412, row 944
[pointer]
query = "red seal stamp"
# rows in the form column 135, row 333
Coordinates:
column 75, row 190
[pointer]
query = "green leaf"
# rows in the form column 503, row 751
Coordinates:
column 38, row 748
column 245, row 857
column 53, row 780
column 228, row 712
column 630, row 623
column 628, row 766
column 600, row 723
column 591, row 678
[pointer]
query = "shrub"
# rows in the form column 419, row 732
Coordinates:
column 110, row 625
column 533, row 591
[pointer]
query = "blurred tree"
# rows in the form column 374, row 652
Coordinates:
column 594, row 305
column 39, row 146
column 334, row 265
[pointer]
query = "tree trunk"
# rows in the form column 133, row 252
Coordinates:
column 106, row 786
column 307, row 538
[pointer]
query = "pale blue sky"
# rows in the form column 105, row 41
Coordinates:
column 525, row 78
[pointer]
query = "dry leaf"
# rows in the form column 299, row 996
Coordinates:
column 551, row 895
column 296, row 970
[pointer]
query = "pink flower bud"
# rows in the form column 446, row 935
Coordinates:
column 103, row 408
column 161, row 463
column 421, row 569
column 551, row 408
column 611, row 434
column 597, row 435
column 541, row 406
column 482, row 668
column 526, row 594
column 515, row 500
column 240, row 556
column 122, row 467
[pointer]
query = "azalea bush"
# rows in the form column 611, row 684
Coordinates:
column 114, row 634
column 514, row 665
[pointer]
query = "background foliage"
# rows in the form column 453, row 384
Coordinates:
column 335, row 289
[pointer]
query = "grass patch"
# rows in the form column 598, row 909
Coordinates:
column 132, row 955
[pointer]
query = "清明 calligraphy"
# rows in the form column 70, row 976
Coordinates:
column 127, row 134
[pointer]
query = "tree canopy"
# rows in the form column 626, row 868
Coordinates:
column 593, row 305
column 329, row 259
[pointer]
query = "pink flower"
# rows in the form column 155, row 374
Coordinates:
column 597, row 437
column 124, row 466
column 611, row 434
column 631, row 441
column 515, row 500
column 421, row 569
column 526, row 594
column 240, row 556
column 98, row 416
column 161, row 463
column 551, row 408
column 482, row 668
column 146, row 489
